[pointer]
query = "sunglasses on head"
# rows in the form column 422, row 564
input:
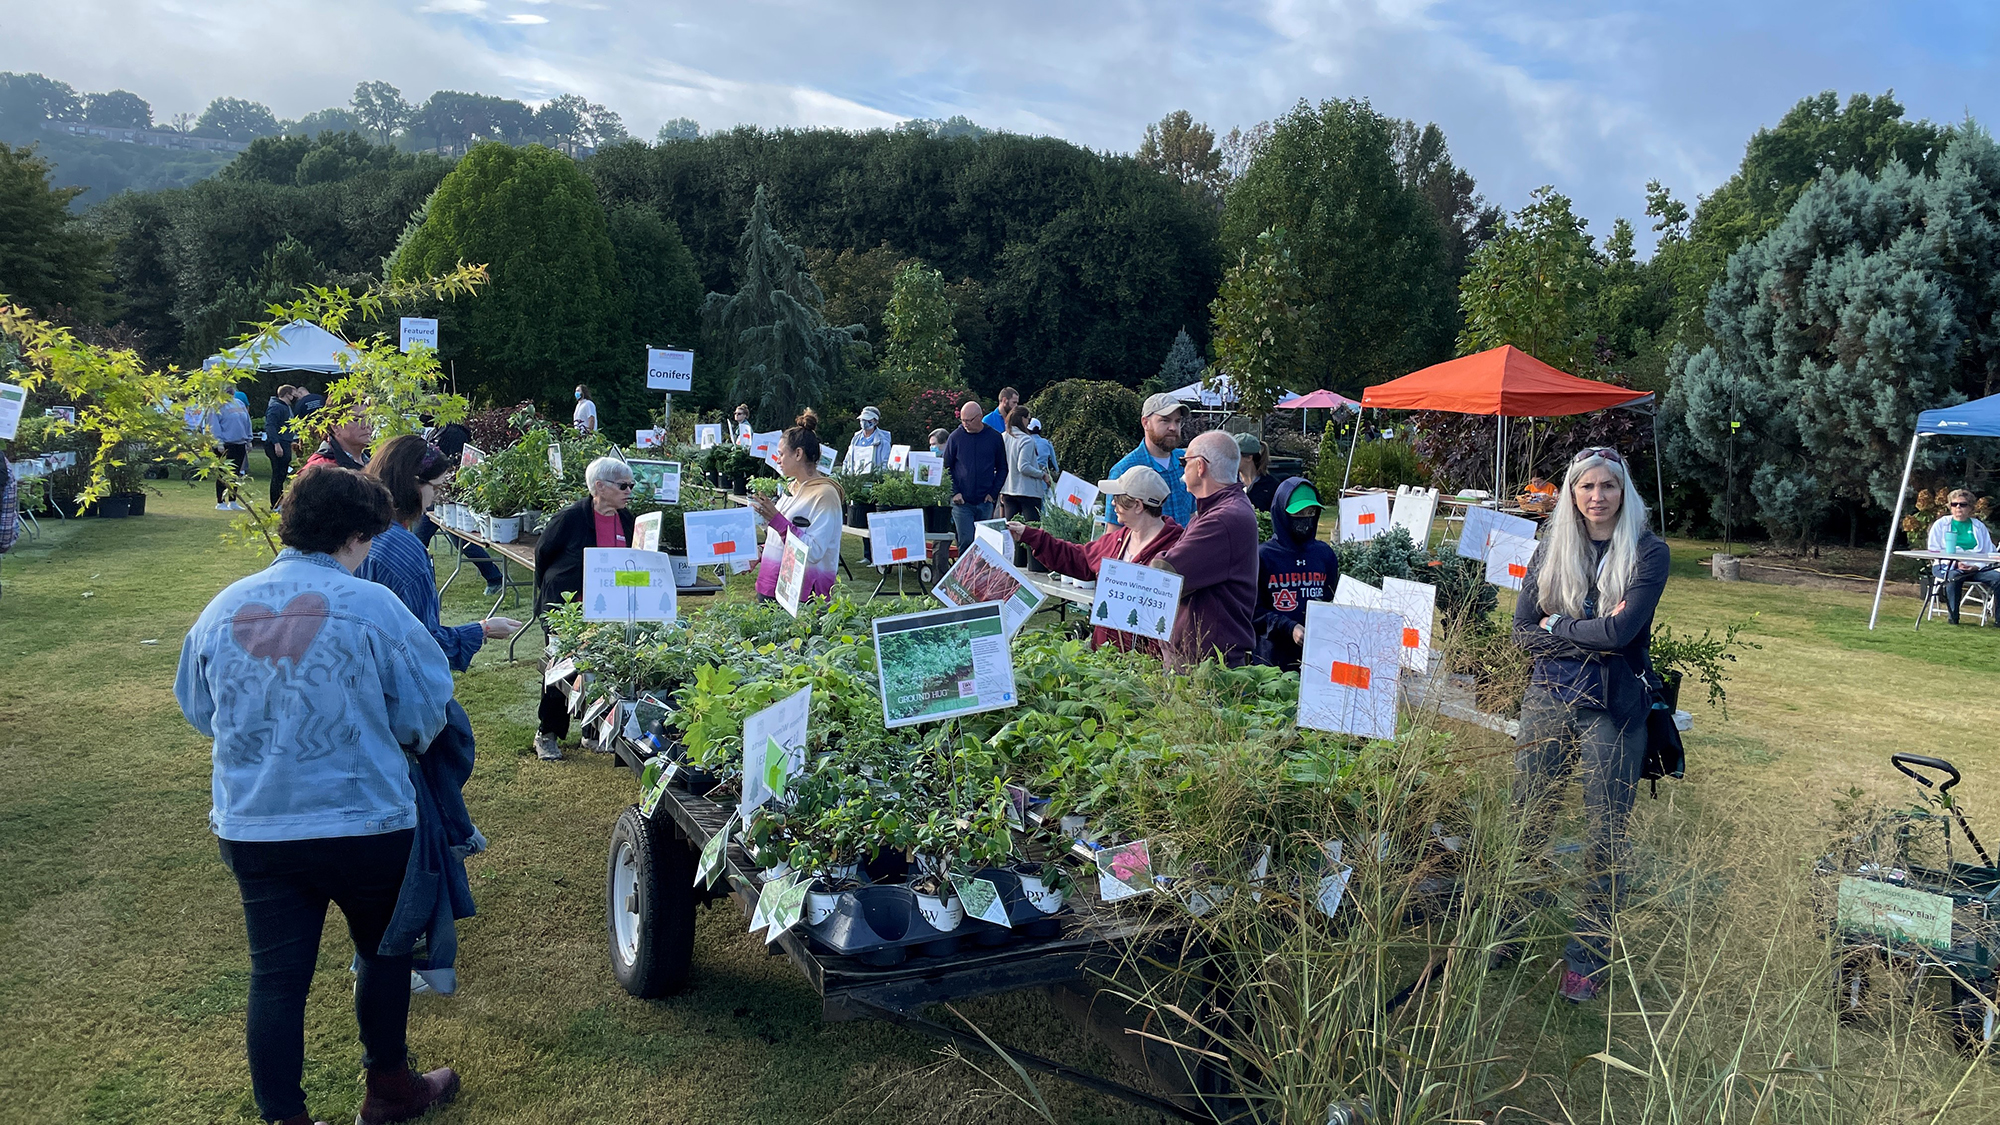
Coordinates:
column 1610, row 455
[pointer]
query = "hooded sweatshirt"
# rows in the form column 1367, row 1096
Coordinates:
column 821, row 503
column 1290, row 573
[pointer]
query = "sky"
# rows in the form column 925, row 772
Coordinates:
column 1595, row 98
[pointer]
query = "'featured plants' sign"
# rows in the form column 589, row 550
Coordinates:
column 1136, row 599
column 943, row 663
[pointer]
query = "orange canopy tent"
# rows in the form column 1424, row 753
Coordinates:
column 1505, row 382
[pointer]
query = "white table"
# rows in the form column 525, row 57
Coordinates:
column 1973, row 558
column 1053, row 585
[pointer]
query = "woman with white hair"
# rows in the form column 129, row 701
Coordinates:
column 1586, row 614
column 602, row 519
column 1961, row 532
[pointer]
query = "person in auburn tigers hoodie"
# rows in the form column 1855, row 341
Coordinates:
column 1293, row 567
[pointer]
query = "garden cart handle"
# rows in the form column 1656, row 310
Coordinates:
column 1903, row 762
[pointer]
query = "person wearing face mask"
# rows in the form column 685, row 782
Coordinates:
column 937, row 441
column 1293, row 567
column 870, row 443
column 585, row 415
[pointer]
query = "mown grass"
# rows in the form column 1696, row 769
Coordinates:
column 123, row 989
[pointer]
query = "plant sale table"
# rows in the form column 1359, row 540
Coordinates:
column 651, row 899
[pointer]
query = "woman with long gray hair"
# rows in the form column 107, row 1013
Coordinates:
column 1586, row 614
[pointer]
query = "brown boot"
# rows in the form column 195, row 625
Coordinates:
column 401, row 1094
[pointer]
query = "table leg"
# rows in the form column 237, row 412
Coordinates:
column 506, row 582
column 457, row 546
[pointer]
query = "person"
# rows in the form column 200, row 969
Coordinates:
column 1538, row 495
column 584, row 417
column 312, row 683
column 869, row 437
column 1031, row 469
column 451, row 437
column 308, row 401
column 1216, row 558
column 1293, row 567
column 811, row 508
column 975, row 457
column 346, row 447
column 229, row 424
column 1585, row 614
column 602, row 519
column 938, row 438
column 744, row 432
column 10, row 505
column 413, row 470
column 998, row 416
column 1258, row 485
column 1160, row 419
column 1141, row 534
column 450, row 440
column 1959, row 532
column 278, row 440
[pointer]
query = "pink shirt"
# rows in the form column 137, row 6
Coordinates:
column 610, row 529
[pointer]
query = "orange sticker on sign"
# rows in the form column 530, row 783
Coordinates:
column 726, row 547
column 1412, row 638
column 1351, row 675
column 1365, row 518
column 1076, row 500
column 899, row 553
column 1516, row 570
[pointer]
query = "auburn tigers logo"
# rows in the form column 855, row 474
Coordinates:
column 1284, row 601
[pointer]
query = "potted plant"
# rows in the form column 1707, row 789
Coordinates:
column 1677, row 656
column 128, row 479
column 935, row 845
column 860, row 492
column 770, row 488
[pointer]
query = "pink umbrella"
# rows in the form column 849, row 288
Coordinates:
column 1319, row 400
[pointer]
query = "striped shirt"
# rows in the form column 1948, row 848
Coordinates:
column 398, row 560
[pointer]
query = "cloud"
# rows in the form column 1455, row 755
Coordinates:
column 524, row 19
column 455, row 7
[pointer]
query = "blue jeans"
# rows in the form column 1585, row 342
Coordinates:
column 478, row 555
column 964, row 516
column 1954, row 586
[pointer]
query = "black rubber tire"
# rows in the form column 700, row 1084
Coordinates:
column 663, row 906
column 926, row 574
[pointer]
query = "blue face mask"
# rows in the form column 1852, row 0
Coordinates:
column 579, row 396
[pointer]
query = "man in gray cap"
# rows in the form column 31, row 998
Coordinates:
column 870, row 437
column 1160, row 419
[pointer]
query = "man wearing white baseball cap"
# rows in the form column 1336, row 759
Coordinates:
column 869, row 437
column 1160, row 419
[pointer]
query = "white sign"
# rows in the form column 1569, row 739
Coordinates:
column 1414, row 510
column 658, row 480
column 994, row 534
column 861, row 459
column 708, row 435
column 1507, row 558
column 774, row 749
column 899, row 457
column 555, row 458
column 646, row 531
column 624, row 584
column 1350, row 669
column 724, row 535
column 1364, row 516
column 669, row 370
column 980, row 576
column 470, row 455
column 927, row 468
column 792, row 572
column 826, row 459
column 896, row 536
column 942, row 663
column 649, row 439
column 765, row 446
column 12, row 400
column 1074, row 494
column 1480, row 526
column 1417, row 603
column 1352, row 591
column 420, row 330
column 1136, row 599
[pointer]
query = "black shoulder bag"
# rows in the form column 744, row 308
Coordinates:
column 1665, row 754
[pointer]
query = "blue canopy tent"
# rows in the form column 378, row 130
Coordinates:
column 1978, row 418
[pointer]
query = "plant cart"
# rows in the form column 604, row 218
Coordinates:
column 651, row 900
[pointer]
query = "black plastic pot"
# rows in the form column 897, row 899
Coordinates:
column 857, row 512
column 113, row 507
column 937, row 518
column 1671, row 689
column 1025, row 559
column 135, row 502
column 739, row 484
column 886, row 867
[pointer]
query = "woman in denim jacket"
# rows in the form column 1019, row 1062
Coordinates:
column 315, row 685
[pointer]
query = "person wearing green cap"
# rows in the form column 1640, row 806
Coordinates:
column 1258, row 485
column 1294, row 566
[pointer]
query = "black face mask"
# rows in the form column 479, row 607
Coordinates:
column 1305, row 528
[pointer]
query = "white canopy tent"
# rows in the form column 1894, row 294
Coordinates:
column 301, row 346
column 1216, row 394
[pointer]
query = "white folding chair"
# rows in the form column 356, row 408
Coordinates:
column 1972, row 596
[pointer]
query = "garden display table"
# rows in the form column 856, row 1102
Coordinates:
column 651, row 905
column 1062, row 593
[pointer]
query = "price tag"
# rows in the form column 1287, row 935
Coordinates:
column 981, row 900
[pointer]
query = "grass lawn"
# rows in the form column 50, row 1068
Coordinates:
column 123, row 988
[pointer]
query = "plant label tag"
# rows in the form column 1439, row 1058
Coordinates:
column 1332, row 888
column 981, row 900
column 1902, row 914
column 1363, row 516
column 1018, row 800
column 1350, row 669
column 792, row 573
column 1075, row 495
column 774, row 748
column 708, row 435
column 555, row 459
column 1507, row 558
column 896, row 536
column 767, row 897
column 1136, row 599
column 710, row 867
column 597, row 709
column 789, row 907
column 470, row 455
column 646, row 531
column 655, row 791
column 1124, row 871
column 559, row 671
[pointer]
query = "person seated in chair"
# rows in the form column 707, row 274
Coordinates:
column 1959, row 532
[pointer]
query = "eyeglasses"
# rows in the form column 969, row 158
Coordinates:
column 1608, row 454
column 1127, row 502
column 620, row 485
column 1960, row 504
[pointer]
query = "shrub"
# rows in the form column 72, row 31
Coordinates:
column 1091, row 423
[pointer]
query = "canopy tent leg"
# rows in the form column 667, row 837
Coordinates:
column 1895, row 521
column 1351, row 443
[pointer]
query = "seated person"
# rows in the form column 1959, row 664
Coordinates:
column 1140, row 533
column 1958, row 531
column 1538, row 495
column 1293, row 567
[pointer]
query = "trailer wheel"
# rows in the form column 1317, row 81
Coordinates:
column 649, row 905
column 926, row 574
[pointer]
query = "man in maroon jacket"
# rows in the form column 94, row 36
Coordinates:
column 1216, row 558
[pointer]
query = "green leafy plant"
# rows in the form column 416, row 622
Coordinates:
column 1065, row 525
column 1701, row 658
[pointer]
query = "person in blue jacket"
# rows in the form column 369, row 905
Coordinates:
column 1293, row 567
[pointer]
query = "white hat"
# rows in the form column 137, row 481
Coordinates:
column 1034, row 425
column 870, row 414
column 1141, row 482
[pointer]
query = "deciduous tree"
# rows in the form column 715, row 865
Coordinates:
column 119, row 109
column 235, row 119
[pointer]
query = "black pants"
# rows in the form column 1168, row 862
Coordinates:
column 286, row 886
column 238, row 454
column 1027, row 509
column 478, row 555
column 554, row 713
column 281, row 470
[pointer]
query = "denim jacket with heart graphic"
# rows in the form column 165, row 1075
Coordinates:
column 313, row 683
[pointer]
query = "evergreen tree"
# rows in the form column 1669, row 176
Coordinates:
column 1182, row 366
column 1261, row 324
column 46, row 258
column 781, row 352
